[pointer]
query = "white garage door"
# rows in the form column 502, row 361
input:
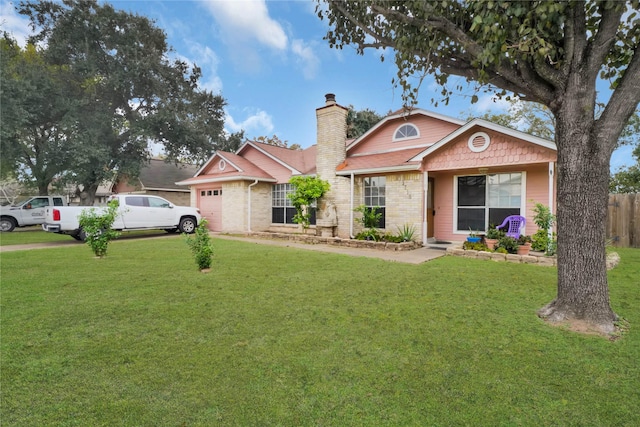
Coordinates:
column 211, row 207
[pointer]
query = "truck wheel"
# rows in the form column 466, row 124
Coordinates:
column 7, row 224
column 187, row 225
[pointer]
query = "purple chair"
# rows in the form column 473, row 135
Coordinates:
column 514, row 224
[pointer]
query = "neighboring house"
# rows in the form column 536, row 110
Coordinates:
column 159, row 178
column 441, row 175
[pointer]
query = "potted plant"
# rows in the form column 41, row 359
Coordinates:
column 492, row 237
column 524, row 245
column 473, row 237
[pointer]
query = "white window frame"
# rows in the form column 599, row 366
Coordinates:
column 523, row 193
column 404, row 138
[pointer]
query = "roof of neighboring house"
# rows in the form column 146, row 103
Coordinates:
column 161, row 175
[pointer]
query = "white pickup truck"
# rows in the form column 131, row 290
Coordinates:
column 27, row 211
column 135, row 212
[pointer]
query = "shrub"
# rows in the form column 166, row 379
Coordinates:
column 509, row 244
column 475, row 246
column 370, row 216
column 406, row 232
column 96, row 226
column 494, row 233
column 200, row 245
column 544, row 219
column 369, row 234
column 307, row 189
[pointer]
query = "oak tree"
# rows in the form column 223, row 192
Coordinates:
column 545, row 51
column 131, row 92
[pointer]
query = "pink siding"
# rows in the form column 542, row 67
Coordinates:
column 536, row 191
column 502, row 151
column 431, row 131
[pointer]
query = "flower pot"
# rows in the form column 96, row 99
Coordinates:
column 524, row 249
column 491, row 243
column 473, row 239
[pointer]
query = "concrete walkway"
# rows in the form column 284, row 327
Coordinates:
column 416, row 256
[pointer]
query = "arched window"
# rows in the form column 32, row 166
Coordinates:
column 406, row 131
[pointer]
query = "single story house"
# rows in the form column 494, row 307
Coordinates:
column 443, row 176
column 159, row 178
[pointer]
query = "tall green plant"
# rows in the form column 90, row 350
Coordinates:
column 200, row 245
column 544, row 219
column 307, row 189
column 96, row 227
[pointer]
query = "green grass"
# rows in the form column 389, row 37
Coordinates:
column 30, row 235
column 285, row 337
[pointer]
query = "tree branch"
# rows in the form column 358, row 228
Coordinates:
column 604, row 39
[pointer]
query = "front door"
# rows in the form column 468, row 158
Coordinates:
column 430, row 208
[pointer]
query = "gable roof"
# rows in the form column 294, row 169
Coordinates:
column 402, row 114
column 236, row 168
column 487, row 125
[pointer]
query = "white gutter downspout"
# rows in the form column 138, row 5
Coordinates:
column 351, row 206
column 425, row 207
column 249, row 204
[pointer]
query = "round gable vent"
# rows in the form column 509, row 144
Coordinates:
column 222, row 164
column 478, row 142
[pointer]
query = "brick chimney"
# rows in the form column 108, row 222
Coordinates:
column 332, row 137
column 331, row 151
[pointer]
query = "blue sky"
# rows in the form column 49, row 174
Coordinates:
column 269, row 61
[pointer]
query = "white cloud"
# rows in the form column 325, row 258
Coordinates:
column 258, row 123
column 208, row 61
column 306, row 58
column 14, row 23
column 248, row 20
column 490, row 102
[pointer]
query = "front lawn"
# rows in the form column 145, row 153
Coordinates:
column 286, row 337
column 31, row 235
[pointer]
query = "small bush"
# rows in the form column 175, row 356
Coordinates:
column 509, row 244
column 200, row 245
column 475, row 246
column 96, row 227
column 406, row 232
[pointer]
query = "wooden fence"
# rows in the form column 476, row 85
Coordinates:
column 623, row 220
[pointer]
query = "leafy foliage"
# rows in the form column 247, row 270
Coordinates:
column 360, row 121
column 370, row 216
column 544, row 219
column 96, row 226
column 307, row 190
column 37, row 99
column 125, row 92
column 406, row 232
column 277, row 142
column 200, row 245
column 627, row 180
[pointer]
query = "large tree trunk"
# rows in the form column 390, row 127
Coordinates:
column 88, row 194
column 583, row 189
